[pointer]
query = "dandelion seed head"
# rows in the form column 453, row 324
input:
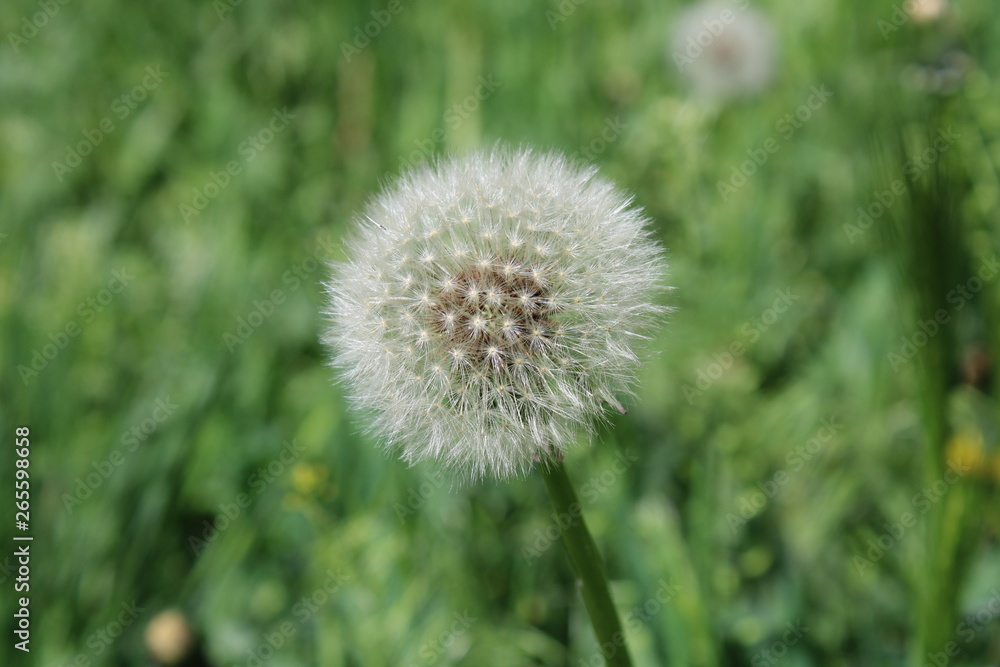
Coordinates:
column 494, row 349
column 724, row 50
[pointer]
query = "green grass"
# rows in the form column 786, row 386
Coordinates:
column 345, row 556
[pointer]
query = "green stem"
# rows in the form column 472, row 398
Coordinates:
column 587, row 563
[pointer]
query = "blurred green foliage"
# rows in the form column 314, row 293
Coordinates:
column 190, row 450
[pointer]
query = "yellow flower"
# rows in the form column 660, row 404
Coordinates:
column 966, row 450
column 306, row 478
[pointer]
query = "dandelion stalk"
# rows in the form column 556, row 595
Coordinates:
column 587, row 564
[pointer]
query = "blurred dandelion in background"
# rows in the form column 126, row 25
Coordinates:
column 169, row 638
column 724, row 50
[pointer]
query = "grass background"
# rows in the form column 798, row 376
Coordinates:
column 256, row 506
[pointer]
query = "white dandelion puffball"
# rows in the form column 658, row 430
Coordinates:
column 724, row 49
column 489, row 308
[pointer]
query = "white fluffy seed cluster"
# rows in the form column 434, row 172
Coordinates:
column 489, row 308
column 724, row 49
